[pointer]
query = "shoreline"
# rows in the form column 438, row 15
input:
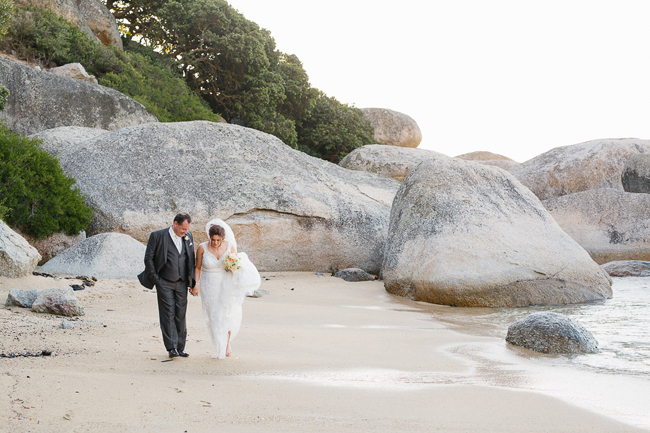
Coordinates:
column 326, row 356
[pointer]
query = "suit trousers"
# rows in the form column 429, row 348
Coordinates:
column 172, row 307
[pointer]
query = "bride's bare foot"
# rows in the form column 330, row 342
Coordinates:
column 228, row 349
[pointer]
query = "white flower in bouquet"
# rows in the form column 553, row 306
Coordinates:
column 232, row 261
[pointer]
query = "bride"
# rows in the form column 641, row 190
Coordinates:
column 223, row 291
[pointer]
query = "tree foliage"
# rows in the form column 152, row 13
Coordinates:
column 4, row 95
column 6, row 12
column 235, row 67
column 37, row 197
column 140, row 73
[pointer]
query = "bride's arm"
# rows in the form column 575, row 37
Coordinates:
column 197, row 271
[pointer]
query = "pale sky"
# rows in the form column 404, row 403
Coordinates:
column 512, row 77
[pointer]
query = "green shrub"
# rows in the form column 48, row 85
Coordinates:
column 37, row 34
column 38, row 198
column 6, row 11
column 4, row 95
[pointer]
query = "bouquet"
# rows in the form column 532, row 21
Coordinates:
column 232, row 262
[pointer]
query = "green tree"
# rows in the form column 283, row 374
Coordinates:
column 137, row 71
column 6, row 12
column 331, row 130
column 40, row 198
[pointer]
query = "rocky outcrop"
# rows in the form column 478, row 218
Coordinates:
column 60, row 301
column 107, row 255
column 393, row 128
column 610, row 224
column 636, row 174
column 388, row 161
column 290, row 211
column 53, row 244
column 353, row 275
column 91, row 16
column 501, row 163
column 465, row 234
column 17, row 257
column 482, row 155
column 551, row 333
column 580, row 167
column 64, row 137
column 74, row 70
column 627, row 268
column 41, row 100
column 21, row 298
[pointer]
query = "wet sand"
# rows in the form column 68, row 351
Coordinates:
column 315, row 355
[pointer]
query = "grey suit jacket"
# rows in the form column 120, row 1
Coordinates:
column 156, row 255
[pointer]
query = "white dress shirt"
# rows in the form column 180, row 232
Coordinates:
column 178, row 241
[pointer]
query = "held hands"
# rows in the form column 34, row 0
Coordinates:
column 194, row 291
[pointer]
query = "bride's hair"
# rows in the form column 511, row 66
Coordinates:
column 217, row 230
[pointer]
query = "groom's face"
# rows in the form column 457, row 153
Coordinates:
column 181, row 229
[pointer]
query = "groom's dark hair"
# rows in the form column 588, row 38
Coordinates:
column 181, row 217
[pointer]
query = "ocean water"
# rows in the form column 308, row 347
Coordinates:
column 620, row 324
column 614, row 382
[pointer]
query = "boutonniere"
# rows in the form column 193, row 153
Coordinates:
column 186, row 238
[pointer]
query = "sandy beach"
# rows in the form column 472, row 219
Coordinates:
column 317, row 354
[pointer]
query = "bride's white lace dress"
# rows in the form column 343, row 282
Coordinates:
column 222, row 296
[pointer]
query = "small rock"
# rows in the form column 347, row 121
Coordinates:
column 74, row 70
column 627, row 268
column 319, row 274
column 60, row 301
column 354, row 275
column 21, row 298
column 259, row 293
column 551, row 333
column 67, row 324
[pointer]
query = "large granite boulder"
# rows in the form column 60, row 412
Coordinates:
column 610, row 224
column 393, row 128
column 388, row 161
column 501, row 163
column 90, row 16
column 107, row 255
column 627, row 268
column 466, row 234
column 17, row 257
column 290, row 211
column 482, row 155
column 579, row 167
column 60, row 301
column 40, row 100
column 64, row 137
column 636, row 173
column 551, row 333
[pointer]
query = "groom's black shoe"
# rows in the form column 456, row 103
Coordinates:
column 183, row 354
column 173, row 353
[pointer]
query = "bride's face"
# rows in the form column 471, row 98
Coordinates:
column 215, row 241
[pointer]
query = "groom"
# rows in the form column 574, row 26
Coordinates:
column 169, row 265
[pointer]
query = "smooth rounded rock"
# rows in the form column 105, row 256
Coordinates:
column 627, row 268
column 393, row 128
column 551, row 333
column 354, row 275
column 569, row 169
column 289, row 211
column 21, row 298
column 17, row 257
column 60, row 301
column 42, row 100
column 483, row 155
column 106, row 255
column 610, row 224
column 466, row 234
column 636, row 174
column 388, row 161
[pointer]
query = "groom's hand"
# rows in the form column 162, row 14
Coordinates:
column 194, row 291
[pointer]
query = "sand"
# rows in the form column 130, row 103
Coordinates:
column 317, row 354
